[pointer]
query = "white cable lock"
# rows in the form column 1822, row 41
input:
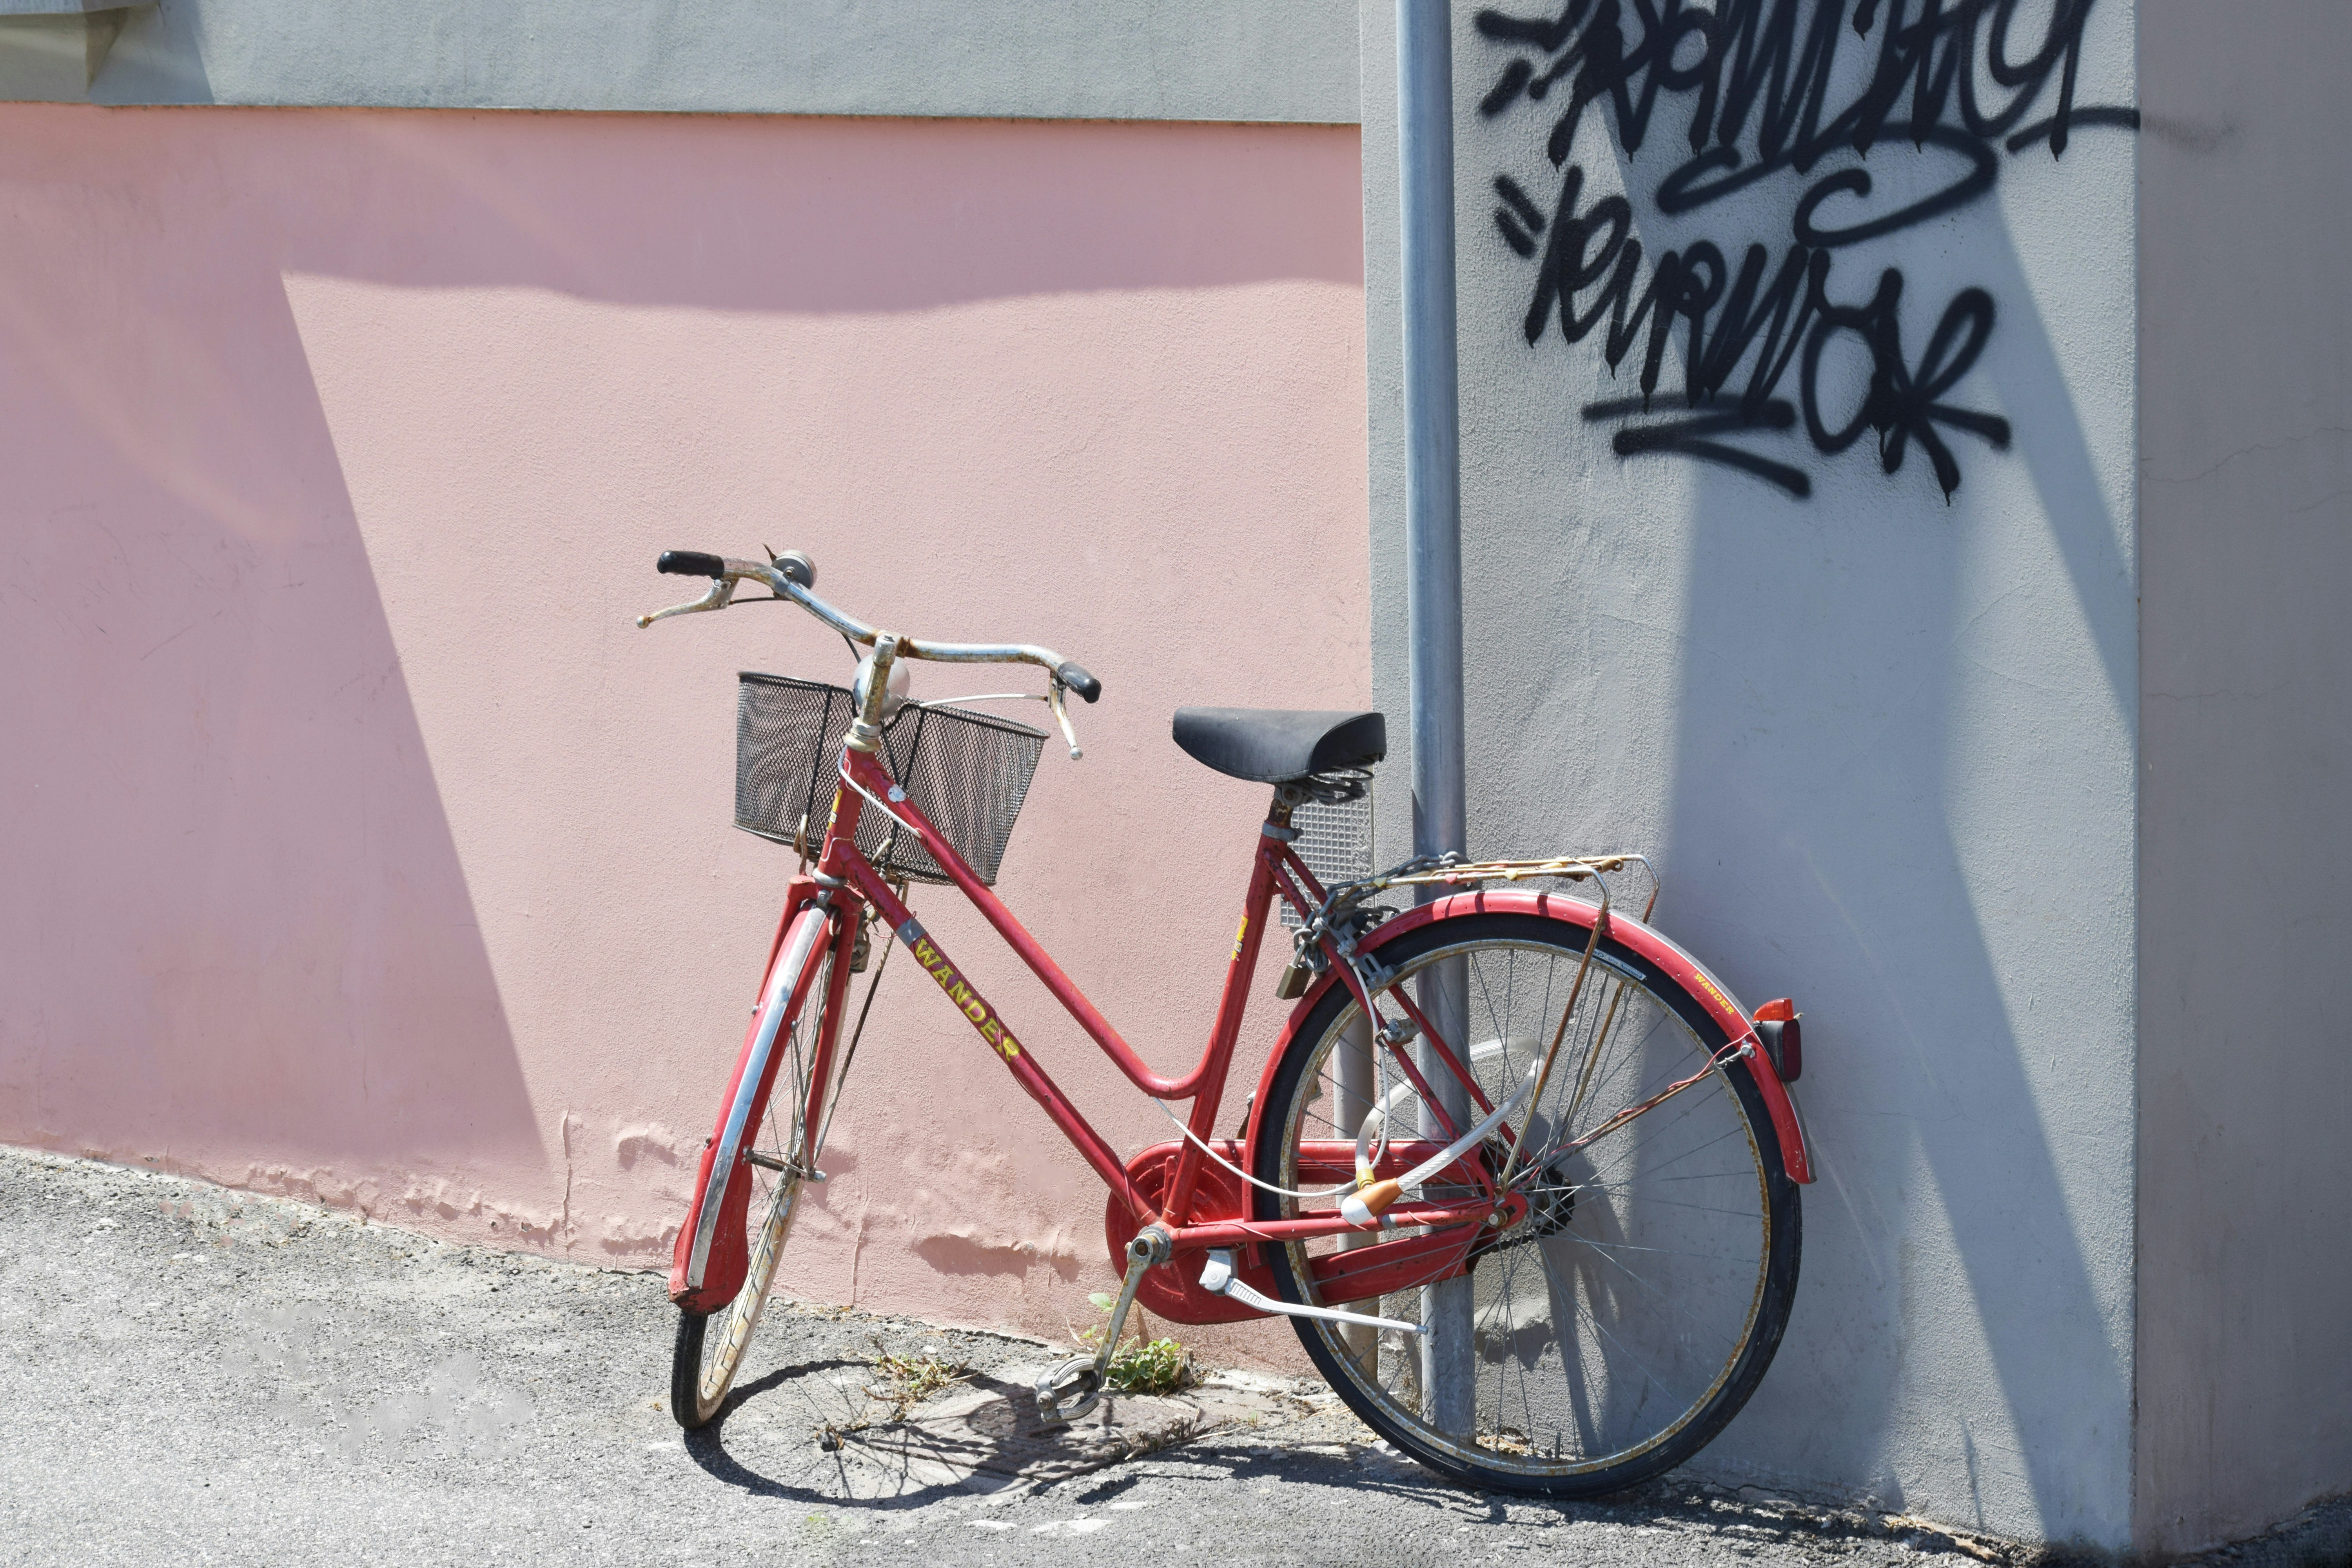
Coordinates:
column 1230, row 1168
column 1353, row 1208
column 1482, row 1051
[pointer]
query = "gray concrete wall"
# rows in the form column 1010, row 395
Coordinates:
column 2245, row 1077
column 1115, row 59
column 1881, row 743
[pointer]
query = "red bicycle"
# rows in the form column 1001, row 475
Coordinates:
column 1521, row 1174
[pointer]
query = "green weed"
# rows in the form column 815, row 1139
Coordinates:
column 1147, row 1365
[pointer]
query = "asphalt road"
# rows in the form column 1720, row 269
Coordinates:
column 195, row 1375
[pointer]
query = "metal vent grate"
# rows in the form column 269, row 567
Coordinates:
column 1334, row 840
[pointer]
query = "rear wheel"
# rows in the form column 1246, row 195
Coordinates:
column 1611, row 1331
column 709, row 1350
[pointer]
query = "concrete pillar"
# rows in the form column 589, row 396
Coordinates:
column 1975, row 671
column 2245, row 1083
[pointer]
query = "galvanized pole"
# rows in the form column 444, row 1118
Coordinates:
column 1432, row 466
column 1433, row 506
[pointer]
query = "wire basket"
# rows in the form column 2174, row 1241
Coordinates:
column 968, row 773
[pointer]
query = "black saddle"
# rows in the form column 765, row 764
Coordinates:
column 1272, row 745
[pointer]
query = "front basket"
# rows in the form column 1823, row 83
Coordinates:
column 967, row 771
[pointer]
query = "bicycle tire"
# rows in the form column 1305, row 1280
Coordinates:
column 703, row 1369
column 1556, row 1417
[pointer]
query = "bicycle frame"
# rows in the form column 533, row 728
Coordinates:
column 1276, row 868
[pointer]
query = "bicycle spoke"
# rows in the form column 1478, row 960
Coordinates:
column 1671, row 1202
column 1686, row 1153
column 1626, row 1303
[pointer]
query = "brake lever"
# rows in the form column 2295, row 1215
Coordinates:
column 721, row 590
column 1054, row 701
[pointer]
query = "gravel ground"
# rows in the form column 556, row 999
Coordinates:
column 198, row 1375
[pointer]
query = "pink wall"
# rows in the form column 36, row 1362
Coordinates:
column 356, row 843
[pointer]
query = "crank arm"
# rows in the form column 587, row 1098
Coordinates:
column 1073, row 1388
column 1220, row 1279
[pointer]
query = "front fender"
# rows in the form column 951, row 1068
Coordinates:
column 728, row 1257
column 1644, row 940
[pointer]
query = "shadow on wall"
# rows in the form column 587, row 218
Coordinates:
column 1978, row 1024
column 240, row 938
column 1898, row 691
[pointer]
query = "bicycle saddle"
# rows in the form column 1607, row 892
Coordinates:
column 1274, row 745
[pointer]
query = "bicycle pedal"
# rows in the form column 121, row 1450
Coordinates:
column 1076, row 1377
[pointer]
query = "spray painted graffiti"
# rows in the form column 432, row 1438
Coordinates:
column 1809, row 87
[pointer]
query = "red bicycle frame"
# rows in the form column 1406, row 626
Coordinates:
column 1275, row 867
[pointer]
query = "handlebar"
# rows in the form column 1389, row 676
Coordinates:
column 792, row 575
column 690, row 564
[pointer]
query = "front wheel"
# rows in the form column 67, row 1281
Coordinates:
column 784, row 1140
column 1612, row 1329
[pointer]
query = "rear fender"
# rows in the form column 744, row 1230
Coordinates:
column 1644, row 940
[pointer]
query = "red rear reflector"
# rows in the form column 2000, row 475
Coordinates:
column 1784, row 1038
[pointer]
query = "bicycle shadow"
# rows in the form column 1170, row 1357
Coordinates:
column 874, row 1471
column 833, row 1445
column 807, row 1386
column 826, row 1443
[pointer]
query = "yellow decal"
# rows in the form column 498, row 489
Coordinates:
column 968, row 1001
column 1711, row 988
column 1239, row 932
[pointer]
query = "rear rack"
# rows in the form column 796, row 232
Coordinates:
column 1451, row 870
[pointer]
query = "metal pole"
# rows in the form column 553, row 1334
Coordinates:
column 1355, row 1085
column 1433, row 461
column 1432, row 505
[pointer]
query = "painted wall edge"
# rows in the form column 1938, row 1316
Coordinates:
column 2243, row 1404
column 1240, row 60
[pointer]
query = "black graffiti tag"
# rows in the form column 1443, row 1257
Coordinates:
column 1757, row 76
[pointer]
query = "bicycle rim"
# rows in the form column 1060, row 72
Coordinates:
column 1612, row 1330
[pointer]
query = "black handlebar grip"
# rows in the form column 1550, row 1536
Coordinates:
column 690, row 564
column 1079, row 681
